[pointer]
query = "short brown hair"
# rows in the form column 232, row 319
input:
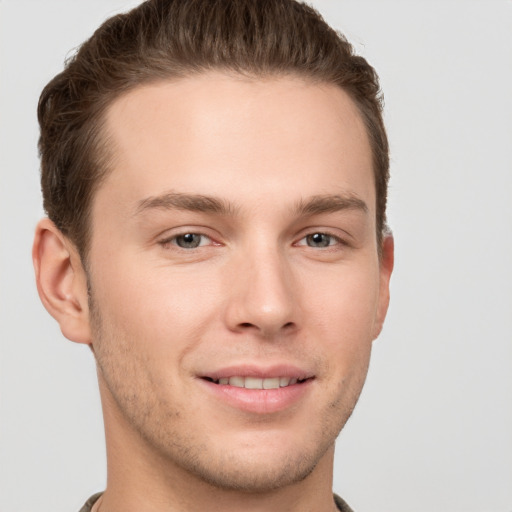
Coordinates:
column 169, row 39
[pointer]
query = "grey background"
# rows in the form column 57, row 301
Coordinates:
column 433, row 429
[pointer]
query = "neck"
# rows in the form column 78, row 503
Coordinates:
column 155, row 487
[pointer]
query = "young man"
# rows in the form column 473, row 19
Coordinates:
column 215, row 179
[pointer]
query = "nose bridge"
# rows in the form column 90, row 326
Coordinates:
column 263, row 296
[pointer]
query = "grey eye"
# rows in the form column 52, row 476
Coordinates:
column 319, row 240
column 188, row 240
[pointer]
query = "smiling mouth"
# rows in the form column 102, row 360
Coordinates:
column 256, row 382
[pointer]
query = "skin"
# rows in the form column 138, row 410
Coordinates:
column 281, row 160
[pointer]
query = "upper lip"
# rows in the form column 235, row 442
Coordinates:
column 262, row 372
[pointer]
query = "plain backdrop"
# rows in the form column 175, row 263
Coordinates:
column 433, row 429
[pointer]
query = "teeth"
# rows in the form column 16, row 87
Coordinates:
column 257, row 383
column 253, row 383
column 238, row 382
column 271, row 383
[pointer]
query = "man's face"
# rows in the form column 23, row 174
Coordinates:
column 233, row 248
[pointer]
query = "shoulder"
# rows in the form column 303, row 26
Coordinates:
column 341, row 504
column 90, row 502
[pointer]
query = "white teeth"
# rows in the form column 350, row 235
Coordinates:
column 257, row 382
column 272, row 383
column 253, row 383
column 238, row 382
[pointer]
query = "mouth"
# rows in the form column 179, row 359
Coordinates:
column 259, row 389
column 249, row 382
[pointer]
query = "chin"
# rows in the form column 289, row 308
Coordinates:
column 264, row 463
column 255, row 476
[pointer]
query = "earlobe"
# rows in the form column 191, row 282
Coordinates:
column 61, row 281
column 386, row 268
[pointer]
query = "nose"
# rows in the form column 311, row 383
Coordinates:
column 262, row 295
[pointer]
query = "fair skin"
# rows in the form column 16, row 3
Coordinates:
column 233, row 244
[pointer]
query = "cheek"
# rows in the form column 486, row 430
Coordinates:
column 344, row 304
column 153, row 306
column 342, row 315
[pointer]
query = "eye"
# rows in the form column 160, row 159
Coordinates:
column 319, row 240
column 188, row 240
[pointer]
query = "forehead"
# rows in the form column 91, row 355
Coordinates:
column 237, row 138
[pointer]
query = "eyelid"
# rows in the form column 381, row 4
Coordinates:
column 172, row 240
column 339, row 239
column 170, row 236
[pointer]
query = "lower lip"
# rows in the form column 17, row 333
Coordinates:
column 259, row 401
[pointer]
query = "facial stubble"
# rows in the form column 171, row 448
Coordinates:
column 129, row 387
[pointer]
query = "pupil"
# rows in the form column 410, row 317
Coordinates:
column 319, row 240
column 188, row 240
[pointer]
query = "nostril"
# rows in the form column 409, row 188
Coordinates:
column 288, row 326
column 267, row 327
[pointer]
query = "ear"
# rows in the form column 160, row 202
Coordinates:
column 61, row 281
column 387, row 261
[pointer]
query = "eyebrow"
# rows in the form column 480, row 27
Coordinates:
column 329, row 203
column 187, row 202
column 316, row 205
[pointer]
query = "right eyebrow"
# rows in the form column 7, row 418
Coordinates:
column 331, row 203
column 188, row 202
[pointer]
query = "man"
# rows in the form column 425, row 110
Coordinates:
column 215, row 175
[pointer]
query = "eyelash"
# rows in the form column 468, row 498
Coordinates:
column 173, row 240
column 337, row 240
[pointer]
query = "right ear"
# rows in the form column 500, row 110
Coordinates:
column 61, row 281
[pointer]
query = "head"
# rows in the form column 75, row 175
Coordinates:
column 170, row 40
column 215, row 174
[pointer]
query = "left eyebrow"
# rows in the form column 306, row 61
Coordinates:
column 186, row 202
column 330, row 204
